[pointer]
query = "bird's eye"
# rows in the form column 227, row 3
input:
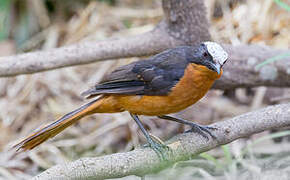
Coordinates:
column 205, row 54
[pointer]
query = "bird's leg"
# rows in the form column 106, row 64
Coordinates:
column 156, row 146
column 200, row 129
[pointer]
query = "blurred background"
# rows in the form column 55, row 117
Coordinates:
column 28, row 101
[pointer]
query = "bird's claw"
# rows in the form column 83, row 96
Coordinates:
column 202, row 130
column 159, row 148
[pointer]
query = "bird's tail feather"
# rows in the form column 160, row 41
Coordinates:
column 57, row 126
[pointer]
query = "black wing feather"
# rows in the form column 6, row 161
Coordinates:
column 118, row 87
column 154, row 76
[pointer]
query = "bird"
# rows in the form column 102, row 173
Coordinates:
column 165, row 83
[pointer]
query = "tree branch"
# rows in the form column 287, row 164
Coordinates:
column 184, row 23
column 143, row 161
column 188, row 15
column 241, row 71
column 84, row 53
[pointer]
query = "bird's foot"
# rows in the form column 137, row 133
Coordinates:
column 160, row 149
column 158, row 146
column 202, row 130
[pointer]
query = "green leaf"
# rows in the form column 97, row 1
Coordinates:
column 282, row 5
column 264, row 138
column 4, row 15
column 271, row 136
column 211, row 158
column 272, row 59
column 227, row 153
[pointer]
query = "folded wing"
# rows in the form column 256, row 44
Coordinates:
column 154, row 76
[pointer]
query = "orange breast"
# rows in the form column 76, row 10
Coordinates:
column 196, row 81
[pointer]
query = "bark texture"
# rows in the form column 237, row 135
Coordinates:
column 241, row 71
column 183, row 146
column 83, row 53
column 184, row 23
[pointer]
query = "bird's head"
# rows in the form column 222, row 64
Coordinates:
column 211, row 55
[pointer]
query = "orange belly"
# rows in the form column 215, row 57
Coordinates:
column 196, row 81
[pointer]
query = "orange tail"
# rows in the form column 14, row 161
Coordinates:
column 57, row 126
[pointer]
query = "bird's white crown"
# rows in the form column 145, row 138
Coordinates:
column 217, row 52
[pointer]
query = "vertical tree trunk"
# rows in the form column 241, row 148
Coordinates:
column 186, row 21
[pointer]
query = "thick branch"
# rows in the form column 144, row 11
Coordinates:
column 241, row 71
column 143, row 161
column 184, row 23
column 186, row 20
column 84, row 53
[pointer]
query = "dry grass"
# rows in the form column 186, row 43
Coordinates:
column 30, row 100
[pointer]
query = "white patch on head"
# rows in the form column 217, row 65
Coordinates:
column 217, row 52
